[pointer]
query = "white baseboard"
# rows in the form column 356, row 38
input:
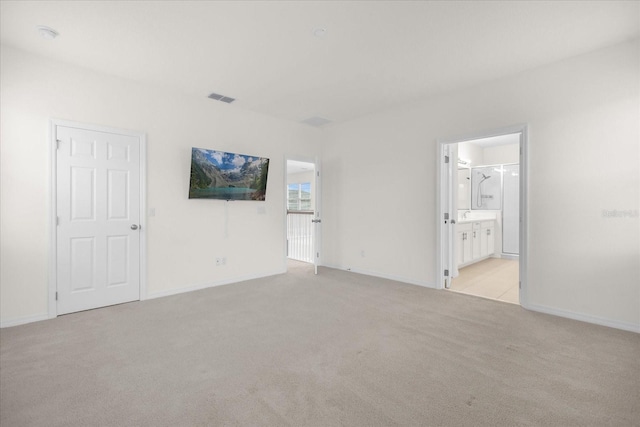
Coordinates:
column 384, row 276
column 466, row 264
column 38, row 317
column 197, row 287
column 22, row 320
column 625, row 326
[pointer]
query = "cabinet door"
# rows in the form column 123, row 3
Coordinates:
column 476, row 243
column 491, row 240
column 488, row 240
column 464, row 247
column 459, row 247
column 468, row 256
column 484, row 242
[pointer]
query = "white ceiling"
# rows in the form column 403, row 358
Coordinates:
column 374, row 55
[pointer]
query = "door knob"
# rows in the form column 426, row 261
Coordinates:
column 134, row 226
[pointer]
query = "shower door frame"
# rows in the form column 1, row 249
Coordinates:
column 503, row 254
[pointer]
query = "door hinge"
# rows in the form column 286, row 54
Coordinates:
column 318, row 174
column 446, row 216
column 56, row 295
column 519, row 285
column 58, row 141
column 446, row 273
column 446, row 159
column 57, row 220
column 317, row 254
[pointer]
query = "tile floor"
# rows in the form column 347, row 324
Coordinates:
column 491, row 278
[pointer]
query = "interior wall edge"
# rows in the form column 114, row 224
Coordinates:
column 201, row 286
column 582, row 317
column 393, row 277
column 16, row 321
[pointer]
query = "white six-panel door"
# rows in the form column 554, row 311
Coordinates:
column 98, row 219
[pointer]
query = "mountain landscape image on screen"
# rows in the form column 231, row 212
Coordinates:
column 227, row 176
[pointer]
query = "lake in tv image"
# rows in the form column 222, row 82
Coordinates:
column 227, row 176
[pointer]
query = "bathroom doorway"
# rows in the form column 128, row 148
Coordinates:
column 481, row 199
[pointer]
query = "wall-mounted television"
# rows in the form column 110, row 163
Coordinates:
column 227, row 176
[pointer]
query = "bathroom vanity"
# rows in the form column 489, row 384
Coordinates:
column 475, row 241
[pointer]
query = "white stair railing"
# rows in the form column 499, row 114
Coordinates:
column 300, row 235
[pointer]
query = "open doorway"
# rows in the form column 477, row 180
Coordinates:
column 481, row 199
column 302, row 214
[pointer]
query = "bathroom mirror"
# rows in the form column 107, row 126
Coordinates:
column 464, row 189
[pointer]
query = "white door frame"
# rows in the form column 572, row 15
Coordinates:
column 442, row 231
column 317, row 203
column 53, row 209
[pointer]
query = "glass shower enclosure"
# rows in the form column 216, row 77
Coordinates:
column 511, row 209
column 497, row 187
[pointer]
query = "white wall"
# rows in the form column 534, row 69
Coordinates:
column 500, row 154
column 472, row 153
column 378, row 188
column 300, row 178
column 479, row 156
column 380, row 183
column 186, row 235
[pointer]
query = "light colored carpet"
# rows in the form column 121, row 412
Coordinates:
column 327, row 350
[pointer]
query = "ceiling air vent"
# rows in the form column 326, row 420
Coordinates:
column 316, row 121
column 222, row 98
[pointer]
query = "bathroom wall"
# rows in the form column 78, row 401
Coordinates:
column 471, row 152
column 501, row 154
column 494, row 155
